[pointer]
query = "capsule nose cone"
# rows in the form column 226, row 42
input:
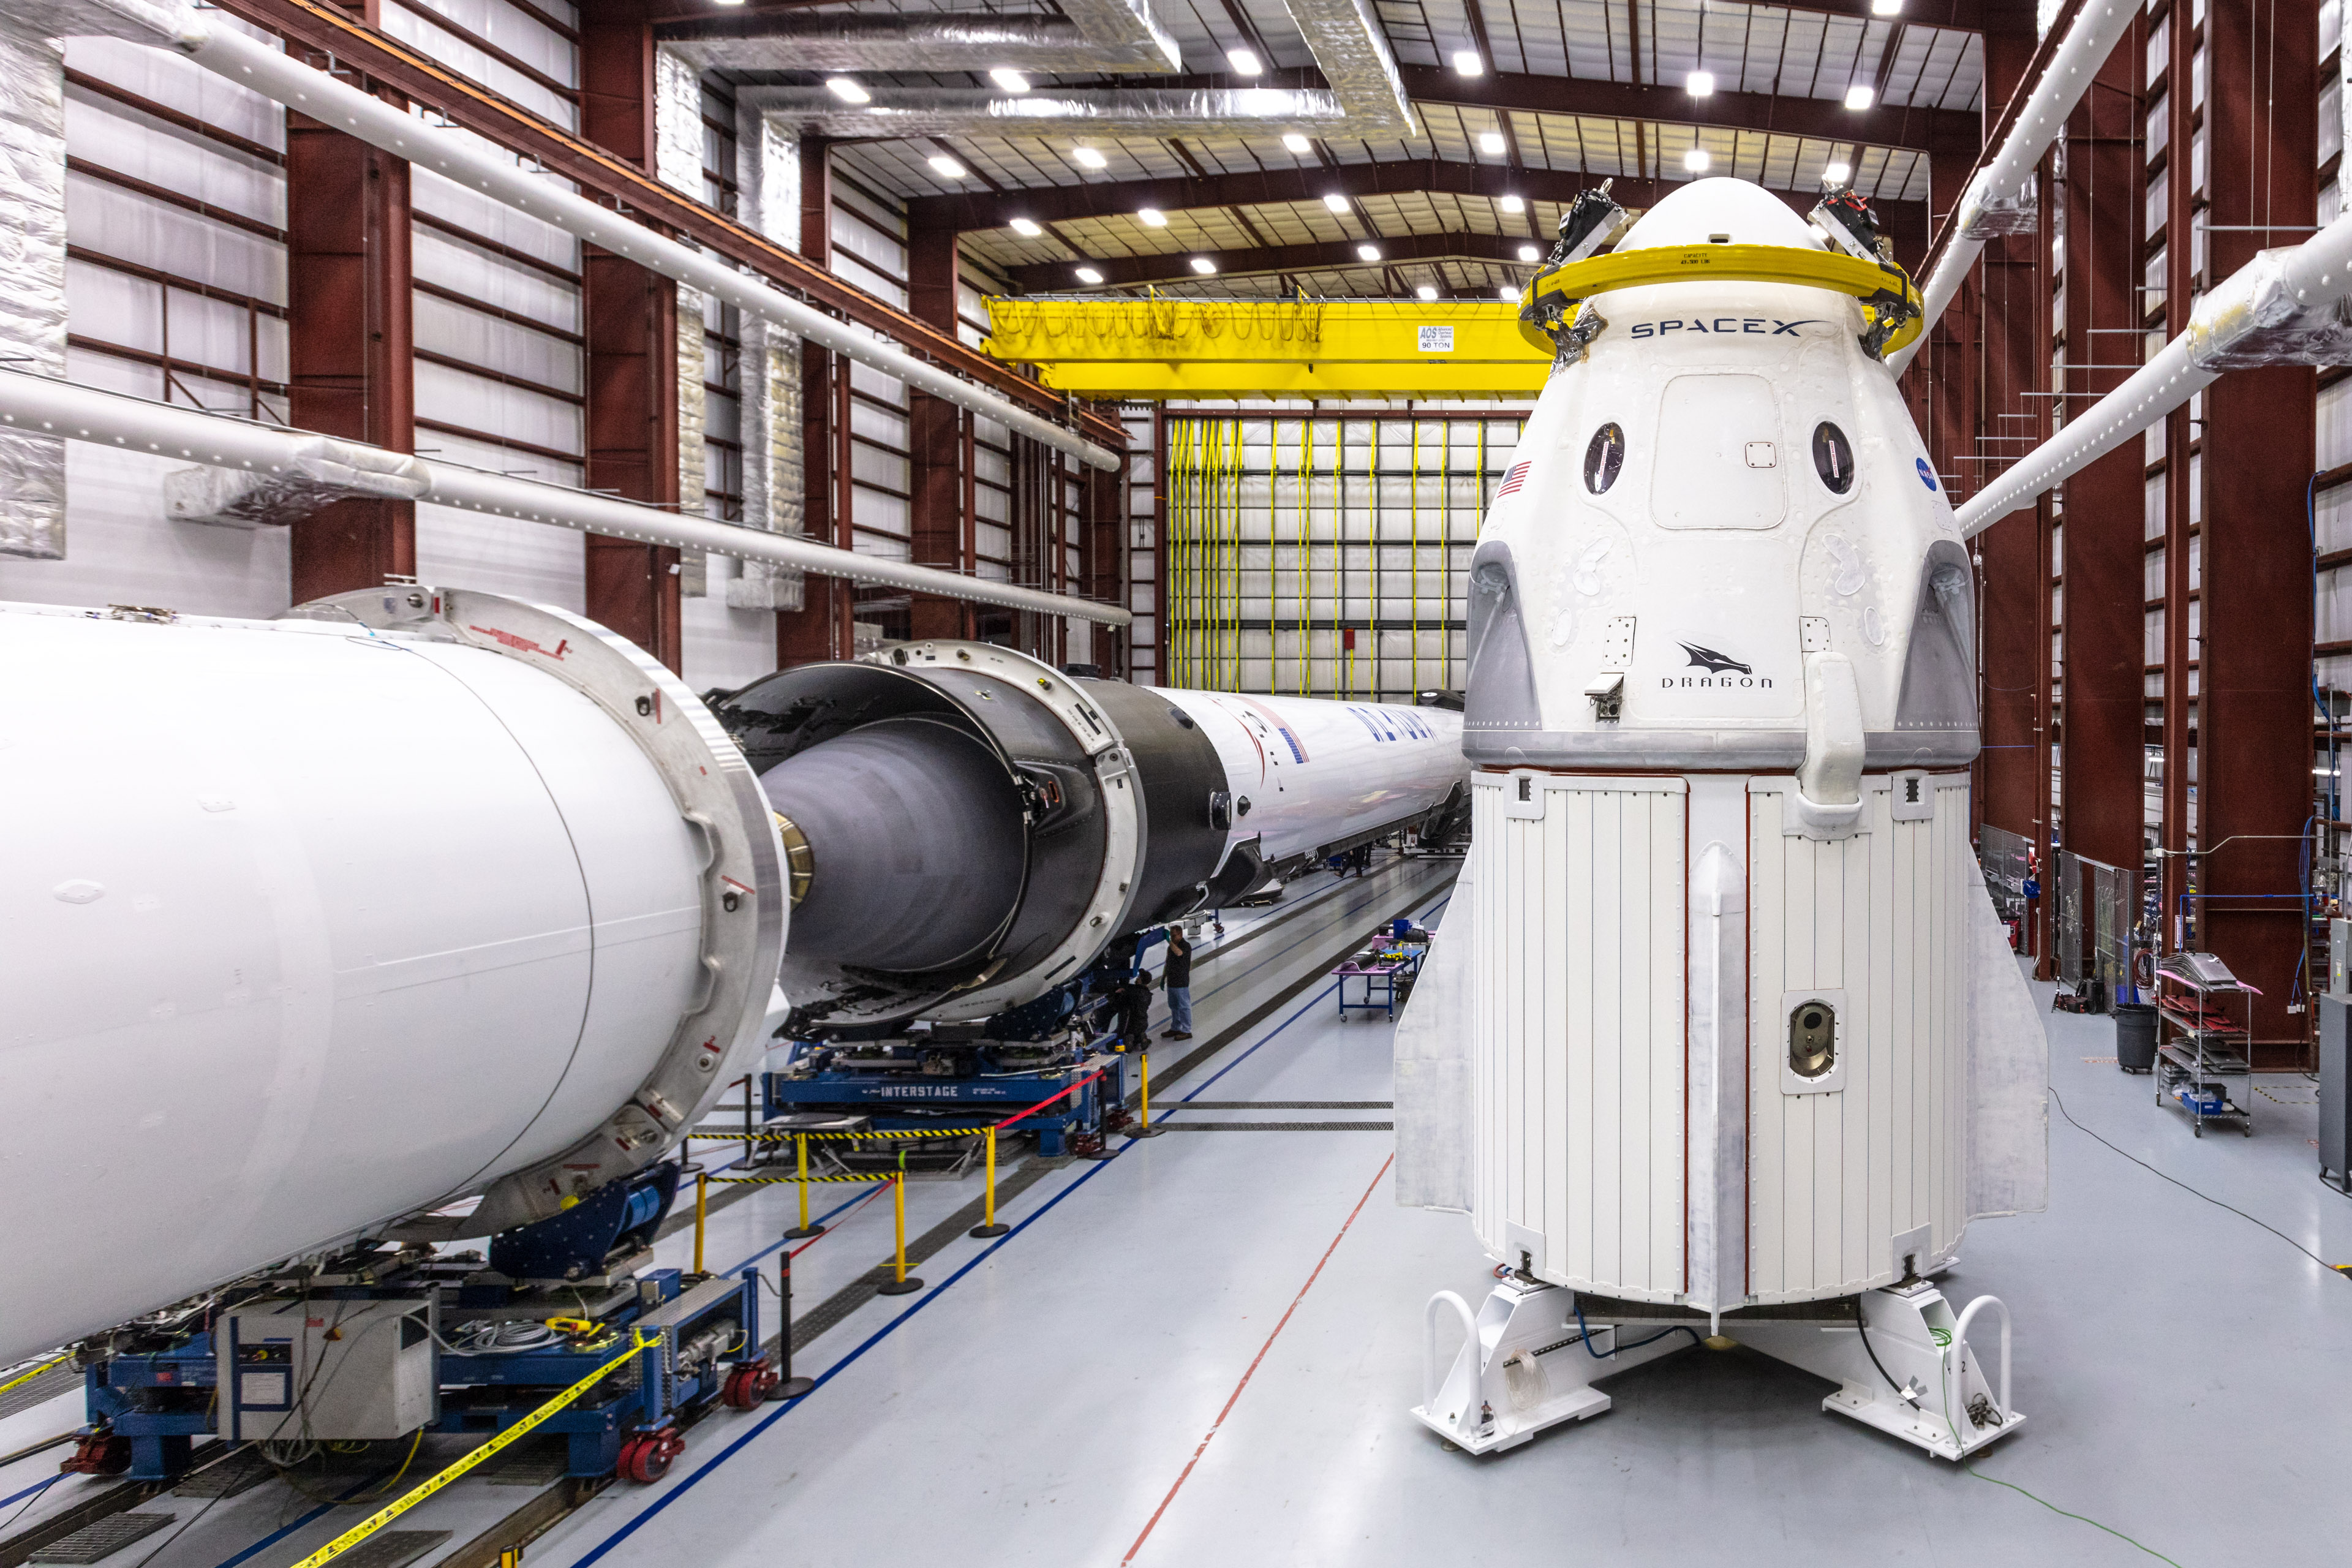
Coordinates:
column 1699, row 212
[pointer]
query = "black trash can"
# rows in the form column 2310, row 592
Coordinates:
column 2135, row 1036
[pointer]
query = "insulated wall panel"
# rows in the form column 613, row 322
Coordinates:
column 1577, row 907
column 1877, row 921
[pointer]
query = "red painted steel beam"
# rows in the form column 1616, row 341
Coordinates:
column 351, row 366
column 314, row 28
column 2180, row 544
column 1824, row 119
column 2254, row 708
column 1109, row 198
column 630, row 316
column 1326, row 257
column 820, row 628
column 2103, row 725
column 935, row 444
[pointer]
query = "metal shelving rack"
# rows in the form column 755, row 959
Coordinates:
column 2198, row 1046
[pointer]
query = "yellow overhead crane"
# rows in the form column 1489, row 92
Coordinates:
column 1155, row 348
column 1183, row 349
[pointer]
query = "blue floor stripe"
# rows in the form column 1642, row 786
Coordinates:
column 884, row 1332
column 603, row 1547
column 323, row 1508
column 28, row 1491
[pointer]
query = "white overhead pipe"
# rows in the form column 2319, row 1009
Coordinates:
column 230, row 54
column 1992, row 204
column 53, row 407
column 2285, row 307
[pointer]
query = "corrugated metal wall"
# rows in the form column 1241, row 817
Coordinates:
column 1319, row 556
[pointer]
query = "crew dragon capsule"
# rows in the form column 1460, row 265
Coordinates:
column 421, row 893
column 1724, row 1039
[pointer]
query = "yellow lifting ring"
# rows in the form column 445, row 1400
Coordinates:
column 1885, row 290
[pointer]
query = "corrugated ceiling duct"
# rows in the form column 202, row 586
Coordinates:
column 1090, row 36
column 1365, row 98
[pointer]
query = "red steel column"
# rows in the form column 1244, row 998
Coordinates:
column 2180, row 434
column 935, row 443
column 631, row 320
column 819, row 629
column 2254, row 712
column 351, row 367
column 2103, row 721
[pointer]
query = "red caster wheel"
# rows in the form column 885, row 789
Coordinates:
column 99, row 1454
column 645, row 1458
column 748, row 1385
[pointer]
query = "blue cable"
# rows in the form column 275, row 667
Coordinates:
column 1577, row 1307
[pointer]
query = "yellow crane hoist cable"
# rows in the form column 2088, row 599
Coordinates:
column 1889, row 300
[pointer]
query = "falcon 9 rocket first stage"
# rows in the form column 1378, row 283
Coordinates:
column 1724, row 1040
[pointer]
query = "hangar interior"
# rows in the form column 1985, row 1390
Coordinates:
column 1124, row 781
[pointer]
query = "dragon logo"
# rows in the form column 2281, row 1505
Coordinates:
column 1714, row 663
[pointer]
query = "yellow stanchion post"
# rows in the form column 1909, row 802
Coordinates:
column 1146, row 1130
column 804, row 1230
column 701, row 1212
column 899, row 1284
column 988, row 1226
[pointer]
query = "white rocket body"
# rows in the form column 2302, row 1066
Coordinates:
column 310, row 925
column 1721, row 898
column 1315, row 771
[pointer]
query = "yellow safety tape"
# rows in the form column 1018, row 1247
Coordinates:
column 831, row 1137
column 394, row 1509
column 788, row 1180
column 28, row 1376
column 1833, row 271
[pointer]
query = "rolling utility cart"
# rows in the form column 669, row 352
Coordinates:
column 1386, row 968
column 2206, row 1021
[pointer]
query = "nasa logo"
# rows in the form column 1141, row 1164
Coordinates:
column 1746, row 326
column 1927, row 474
column 1720, row 667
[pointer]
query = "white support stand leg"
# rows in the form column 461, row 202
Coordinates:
column 1524, row 1365
column 1941, row 1399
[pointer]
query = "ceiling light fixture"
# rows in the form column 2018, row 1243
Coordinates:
column 1026, row 227
column 1886, row 7
column 848, row 91
column 1837, row 173
column 1203, row 266
column 1513, row 204
column 1507, row 295
column 1699, row 84
column 1859, row 97
column 947, row 168
column 1008, row 79
column 1246, row 61
column 1530, row 253
column 1088, row 275
column 1491, row 142
column 1336, row 203
column 1468, row 63
column 1153, row 218
column 1696, row 161
column 1088, row 157
column 1295, row 142
column 1424, row 292
column 1368, row 253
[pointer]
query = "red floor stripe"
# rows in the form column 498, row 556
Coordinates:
column 1235, row 1397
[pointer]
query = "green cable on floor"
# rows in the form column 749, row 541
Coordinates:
column 2053, row 1508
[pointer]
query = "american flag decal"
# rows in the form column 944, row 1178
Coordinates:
column 1511, row 480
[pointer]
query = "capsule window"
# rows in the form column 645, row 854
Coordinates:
column 1832, row 457
column 1813, row 1038
column 1604, row 456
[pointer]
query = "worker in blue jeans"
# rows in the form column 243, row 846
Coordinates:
column 1177, row 978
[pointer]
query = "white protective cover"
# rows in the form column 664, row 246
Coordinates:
column 304, row 930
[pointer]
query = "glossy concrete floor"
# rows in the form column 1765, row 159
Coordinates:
column 1201, row 1353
